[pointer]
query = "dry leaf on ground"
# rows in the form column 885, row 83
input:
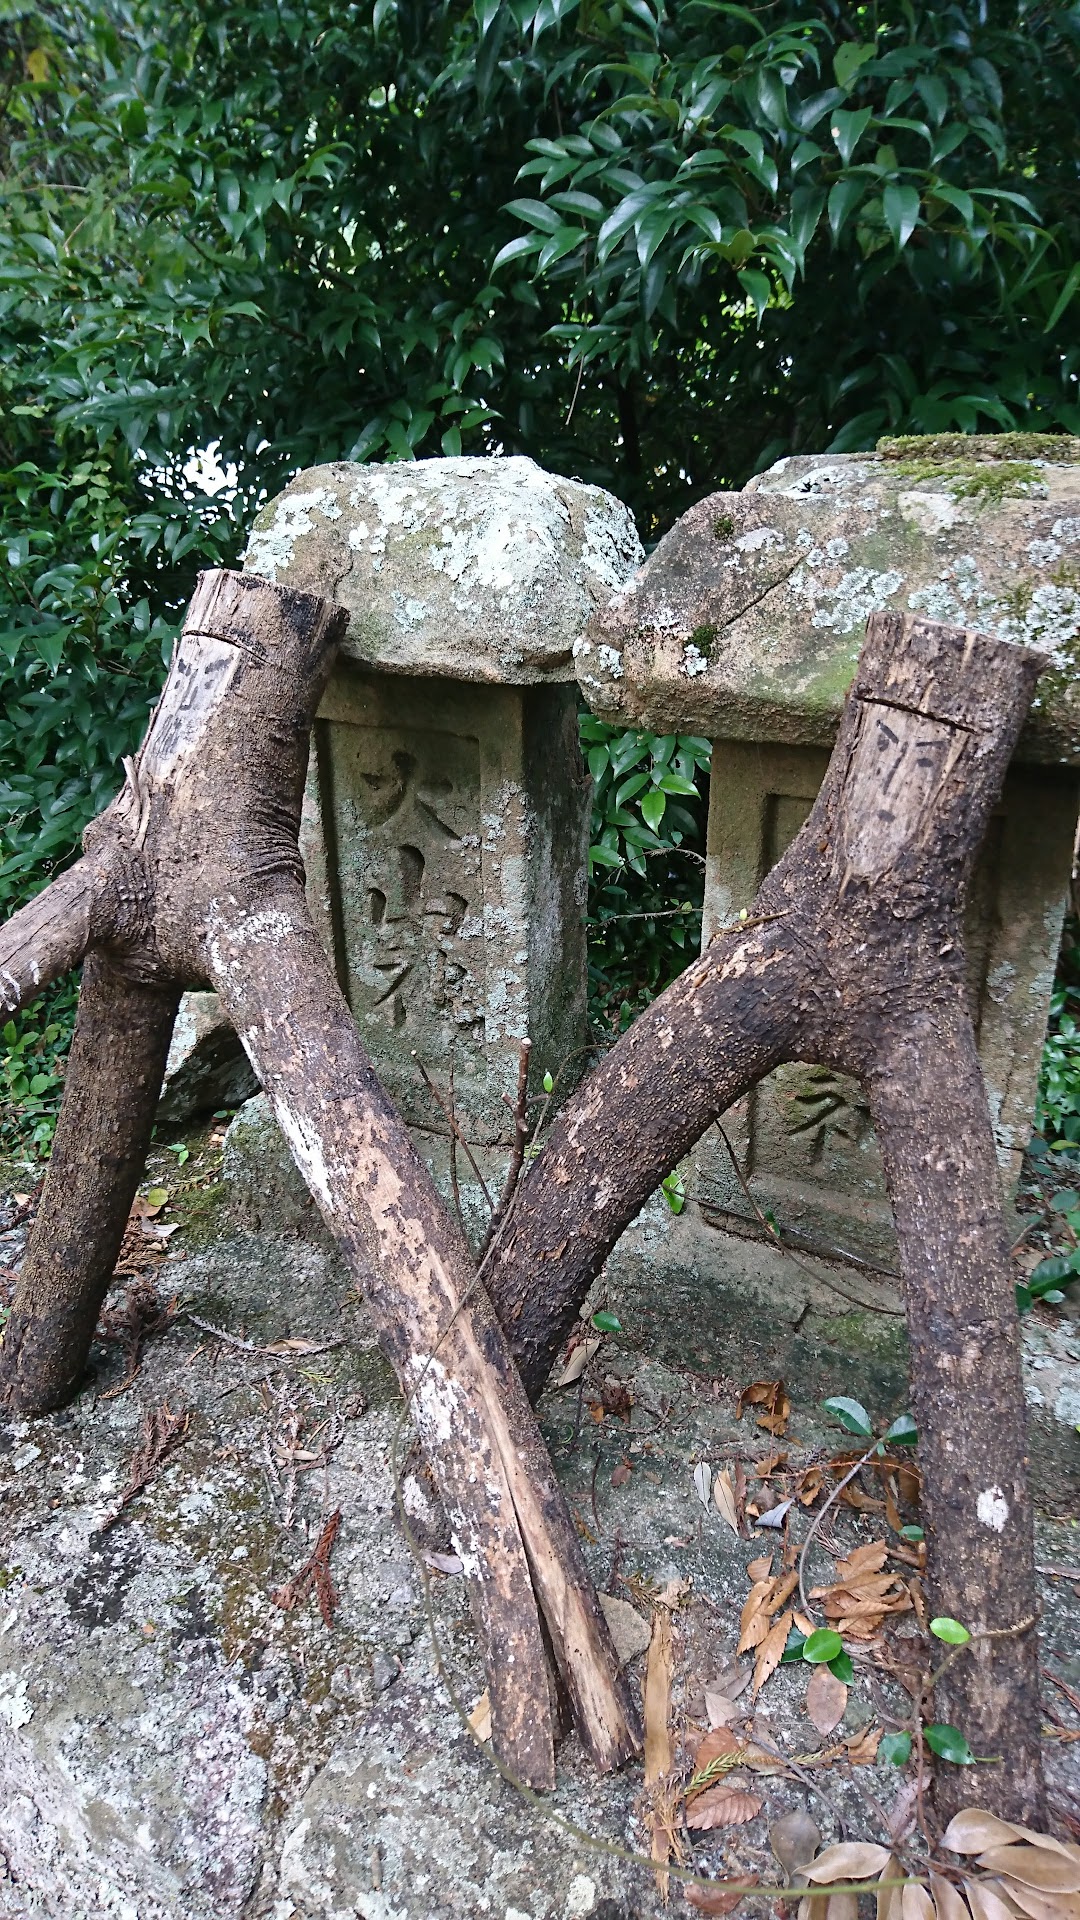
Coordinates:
column 763, row 1600
column 577, row 1361
column 771, row 1650
column 771, row 1397
column 863, row 1595
column 724, row 1499
column 719, row 1897
column 826, row 1700
column 724, row 1805
column 722, row 1696
column 795, row 1839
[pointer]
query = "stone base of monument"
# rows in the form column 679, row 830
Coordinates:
column 705, row 1299
column 175, row 1746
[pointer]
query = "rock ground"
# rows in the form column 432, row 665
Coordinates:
column 175, row 1746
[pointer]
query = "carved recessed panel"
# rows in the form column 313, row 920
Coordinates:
column 410, row 885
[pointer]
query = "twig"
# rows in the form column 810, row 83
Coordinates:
column 163, row 1431
column 807, row 1780
column 819, row 1517
column 278, row 1349
column 455, row 1130
column 314, row 1574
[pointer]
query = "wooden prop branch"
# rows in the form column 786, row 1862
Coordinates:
column 193, row 878
column 852, row 956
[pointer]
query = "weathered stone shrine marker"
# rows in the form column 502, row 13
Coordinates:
column 447, row 813
column 745, row 625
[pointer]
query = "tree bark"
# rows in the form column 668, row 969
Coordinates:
column 852, row 957
column 114, row 1074
column 197, row 880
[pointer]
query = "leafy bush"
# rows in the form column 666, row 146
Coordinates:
column 646, row 863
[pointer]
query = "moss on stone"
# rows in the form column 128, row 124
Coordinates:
column 724, row 527
column 988, row 482
column 938, row 448
column 704, row 639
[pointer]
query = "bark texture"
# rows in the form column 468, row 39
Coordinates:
column 114, row 1074
column 197, row 880
column 852, row 957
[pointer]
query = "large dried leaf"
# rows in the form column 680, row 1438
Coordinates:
column 720, row 1897
column 916, row 1904
column 985, row 1903
column 759, row 1569
column 826, row 1700
column 577, row 1362
column 862, row 1747
column 868, row 1559
column 1042, row 1906
column 842, row 1906
column 1033, row 1867
column 723, row 1806
column 890, row 1899
column 771, row 1650
column 972, row 1831
column 723, row 1494
column 854, row 1860
column 771, row 1397
column 949, row 1901
column 794, row 1839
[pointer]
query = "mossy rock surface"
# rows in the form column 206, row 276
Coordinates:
column 747, row 620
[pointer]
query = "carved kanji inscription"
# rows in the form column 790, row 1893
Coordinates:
column 411, row 901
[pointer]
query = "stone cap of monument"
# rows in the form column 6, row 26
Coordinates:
column 747, row 619
column 479, row 569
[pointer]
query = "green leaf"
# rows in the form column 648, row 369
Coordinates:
column 844, row 197
column 851, row 1415
column 848, row 58
column 606, row 1322
column 548, row 1083
column 894, row 1749
column 842, row 1668
column 793, row 1647
column 1065, row 1202
column 901, row 208
column 653, row 806
column 1065, row 297
column 912, row 1533
column 950, row 1631
column 847, row 129
column 157, row 1196
column 903, row 1432
column 822, row 1646
column 949, row 1744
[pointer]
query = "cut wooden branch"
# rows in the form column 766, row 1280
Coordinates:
column 48, row 936
column 198, row 880
column 113, row 1080
column 852, row 956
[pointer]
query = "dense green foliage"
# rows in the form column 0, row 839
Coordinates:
column 655, row 245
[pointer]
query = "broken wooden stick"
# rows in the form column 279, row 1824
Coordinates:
column 193, row 877
column 852, row 956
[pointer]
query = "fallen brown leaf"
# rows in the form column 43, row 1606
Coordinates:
column 826, row 1700
column 759, row 1569
column 723, row 1806
column 480, row 1717
column 723, row 1494
column 770, row 1651
column 577, row 1361
column 719, row 1897
column 621, row 1474
column 771, row 1396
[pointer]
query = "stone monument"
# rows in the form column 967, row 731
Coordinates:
column 446, row 820
column 745, row 624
